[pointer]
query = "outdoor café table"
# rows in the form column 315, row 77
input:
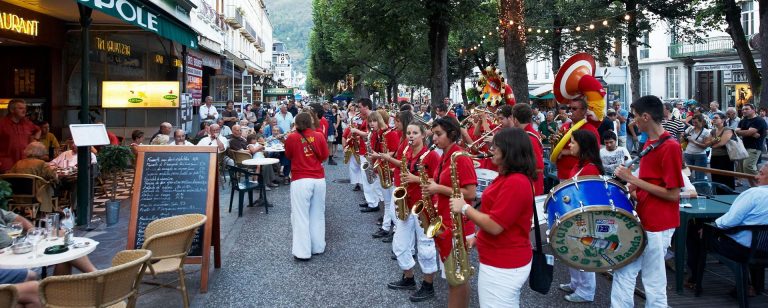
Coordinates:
column 274, row 149
column 727, row 199
column 262, row 186
column 9, row 260
column 713, row 210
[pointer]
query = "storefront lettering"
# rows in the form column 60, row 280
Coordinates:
column 113, row 47
column 13, row 22
column 159, row 59
column 128, row 11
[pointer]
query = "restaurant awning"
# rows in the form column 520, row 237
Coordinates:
column 235, row 59
column 547, row 96
column 146, row 17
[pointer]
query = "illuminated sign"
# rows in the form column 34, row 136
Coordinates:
column 140, row 94
column 113, row 47
column 159, row 59
column 13, row 22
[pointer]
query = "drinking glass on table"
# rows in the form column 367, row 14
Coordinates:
column 14, row 230
column 35, row 236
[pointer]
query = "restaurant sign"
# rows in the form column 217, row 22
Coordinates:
column 15, row 23
column 278, row 91
column 140, row 94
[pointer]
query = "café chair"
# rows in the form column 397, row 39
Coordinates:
column 8, row 295
column 110, row 287
column 708, row 188
column 29, row 191
column 239, row 179
column 757, row 259
column 240, row 156
column 169, row 239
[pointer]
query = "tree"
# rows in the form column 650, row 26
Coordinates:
column 512, row 11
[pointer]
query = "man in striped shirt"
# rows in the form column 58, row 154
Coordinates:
column 673, row 125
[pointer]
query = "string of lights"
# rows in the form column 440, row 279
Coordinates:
column 543, row 30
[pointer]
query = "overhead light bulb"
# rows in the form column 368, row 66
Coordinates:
column 591, row 27
column 578, row 28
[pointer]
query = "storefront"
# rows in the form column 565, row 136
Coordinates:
column 724, row 81
column 278, row 94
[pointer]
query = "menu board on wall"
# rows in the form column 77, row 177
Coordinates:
column 140, row 94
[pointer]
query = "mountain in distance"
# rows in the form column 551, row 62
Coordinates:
column 291, row 24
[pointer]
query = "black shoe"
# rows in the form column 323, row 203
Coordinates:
column 287, row 181
column 331, row 162
column 381, row 233
column 394, row 257
column 424, row 293
column 388, row 238
column 357, row 188
column 301, row 259
column 403, row 284
column 370, row 209
column 363, row 205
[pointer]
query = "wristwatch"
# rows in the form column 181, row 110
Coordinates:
column 464, row 209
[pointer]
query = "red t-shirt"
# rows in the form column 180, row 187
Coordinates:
column 588, row 169
column 512, row 247
column 392, row 140
column 306, row 154
column 660, row 167
column 465, row 172
column 431, row 162
column 363, row 127
column 14, row 137
column 566, row 162
column 323, row 128
column 538, row 154
column 113, row 138
column 399, row 156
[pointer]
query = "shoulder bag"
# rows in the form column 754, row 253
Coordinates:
column 735, row 147
column 540, row 278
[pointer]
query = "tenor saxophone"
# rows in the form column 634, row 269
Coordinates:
column 430, row 221
column 458, row 270
column 382, row 167
column 352, row 147
column 401, row 193
column 370, row 176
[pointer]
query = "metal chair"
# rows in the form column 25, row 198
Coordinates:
column 8, row 295
column 109, row 287
column 26, row 188
column 708, row 188
column 169, row 239
column 239, row 179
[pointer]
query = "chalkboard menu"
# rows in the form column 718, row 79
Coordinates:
column 172, row 184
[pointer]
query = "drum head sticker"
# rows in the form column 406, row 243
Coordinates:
column 598, row 239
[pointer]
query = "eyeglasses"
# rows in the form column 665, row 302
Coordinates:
column 575, row 108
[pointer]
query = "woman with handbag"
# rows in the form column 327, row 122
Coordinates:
column 503, row 246
column 720, row 135
column 697, row 137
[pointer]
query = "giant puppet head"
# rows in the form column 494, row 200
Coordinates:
column 493, row 89
column 574, row 80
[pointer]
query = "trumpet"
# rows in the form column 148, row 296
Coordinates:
column 480, row 142
column 476, row 113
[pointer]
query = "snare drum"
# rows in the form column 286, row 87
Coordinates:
column 484, row 179
column 592, row 225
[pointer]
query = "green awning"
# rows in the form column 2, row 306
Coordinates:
column 143, row 16
column 547, row 96
column 531, row 96
column 278, row 92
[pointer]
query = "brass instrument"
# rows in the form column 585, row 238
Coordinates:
column 430, row 221
column 382, row 167
column 401, row 193
column 474, row 113
column 367, row 166
column 353, row 146
column 480, row 142
column 458, row 270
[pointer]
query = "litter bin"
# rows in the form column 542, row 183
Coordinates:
column 113, row 212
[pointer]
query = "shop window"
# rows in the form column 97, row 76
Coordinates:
column 645, row 88
column 673, row 82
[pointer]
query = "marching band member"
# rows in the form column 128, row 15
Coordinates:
column 371, row 193
column 401, row 122
column 383, row 136
column 521, row 115
column 307, row 150
column 446, row 133
column 410, row 230
column 355, row 173
column 657, row 188
column 503, row 245
column 566, row 160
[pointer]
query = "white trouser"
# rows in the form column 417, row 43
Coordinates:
column 308, row 217
column 651, row 263
column 389, row 207
column 370, row 190
column 354, row 171
column 408, row 231
column 500, row 287
column 583, row 283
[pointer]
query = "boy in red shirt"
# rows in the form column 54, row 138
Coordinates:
column 657, row 190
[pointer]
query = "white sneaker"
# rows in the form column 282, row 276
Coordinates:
column 567, row 288
column 573, row 298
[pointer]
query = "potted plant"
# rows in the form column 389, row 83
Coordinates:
column 112, row 161
column 5, row 194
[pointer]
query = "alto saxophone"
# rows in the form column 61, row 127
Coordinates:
column 458, row 270
column 382, row 167
column 367, row 166
column 430, row 221
column 401, row 193
column 352, row 147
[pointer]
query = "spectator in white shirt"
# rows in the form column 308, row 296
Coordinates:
column 68, row 159
column 208, row 112
column 284, row 119
column 612, row 155
column 538, row 118
column 215, row 138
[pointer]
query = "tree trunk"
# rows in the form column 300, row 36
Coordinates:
column 618, row 45
column 556, row 44
column 361, row 91
column 733, row 18
column 463, row 88
column 632, row 34
column 514, row 49
column 438, row 49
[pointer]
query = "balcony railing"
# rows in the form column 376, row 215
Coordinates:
column 249, row 33
column 260, row 44
column 714, row 46
column 234, row 17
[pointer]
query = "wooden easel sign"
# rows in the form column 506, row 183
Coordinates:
column 176, row 180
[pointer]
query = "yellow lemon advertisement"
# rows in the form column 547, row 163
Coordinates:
column 140, row 94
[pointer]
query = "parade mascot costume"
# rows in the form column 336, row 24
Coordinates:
column 493, row 90
column 574, row 80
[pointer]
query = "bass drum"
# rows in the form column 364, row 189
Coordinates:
column 592, row 225
column 484, row 179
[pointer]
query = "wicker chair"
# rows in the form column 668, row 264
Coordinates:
column 240, row 156
column 28, row 190
column 104, row 288
column 8, row 295
column 169, row 239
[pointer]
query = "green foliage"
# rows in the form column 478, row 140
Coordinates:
column 5, row 193
column 112, row 160
column 473, row 94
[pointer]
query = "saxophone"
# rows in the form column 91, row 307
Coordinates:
column 353, row 146
column 430, row 221
column 382, row 167
column 401, row 193
column 458, row 270
column 367, row 166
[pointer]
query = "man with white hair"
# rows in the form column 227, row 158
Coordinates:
column 733, row 119
column 180, row 138
column 208, row 112
column 284, row 119
column 165, row 129
column 214, row 137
